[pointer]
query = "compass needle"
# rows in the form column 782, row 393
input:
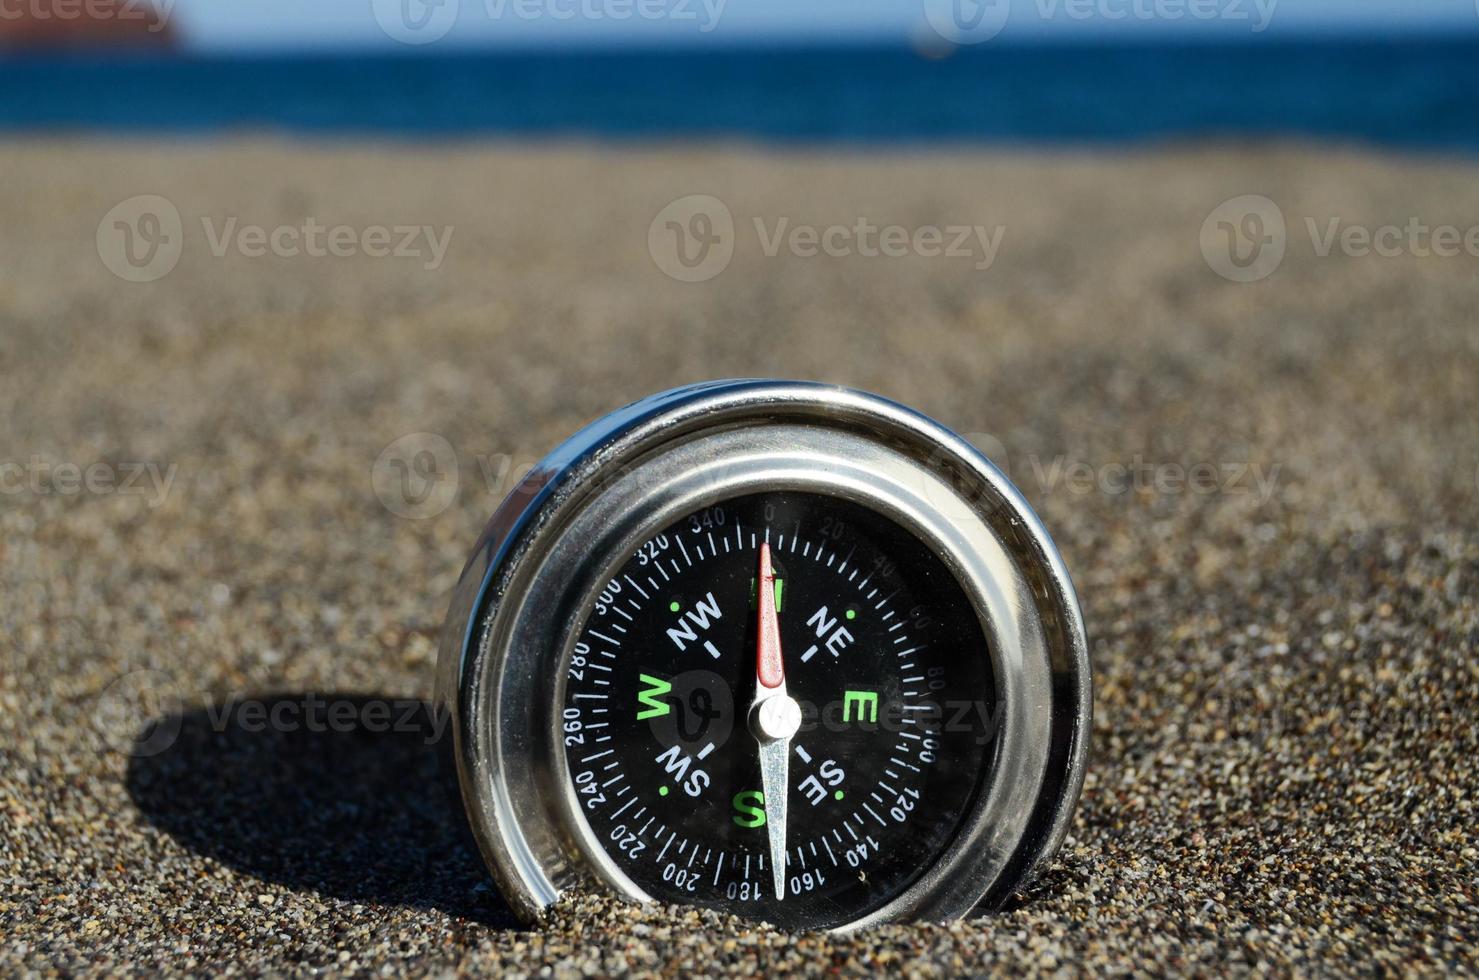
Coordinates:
column 775, row 718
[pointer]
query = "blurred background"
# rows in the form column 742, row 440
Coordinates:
column 1058, row 71
column 292, row 293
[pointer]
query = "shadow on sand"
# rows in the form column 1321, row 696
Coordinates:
column 339, row 794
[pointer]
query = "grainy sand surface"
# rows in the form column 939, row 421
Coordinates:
column 1287, row 703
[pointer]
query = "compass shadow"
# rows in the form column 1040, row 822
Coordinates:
column 338, row 794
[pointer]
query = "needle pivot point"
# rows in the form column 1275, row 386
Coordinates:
column 777, row 718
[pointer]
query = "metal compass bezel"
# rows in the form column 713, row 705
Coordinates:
column 561, row 535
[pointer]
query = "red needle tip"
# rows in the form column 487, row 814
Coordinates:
column 769, row 670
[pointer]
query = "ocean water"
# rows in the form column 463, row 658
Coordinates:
column 1415, row 94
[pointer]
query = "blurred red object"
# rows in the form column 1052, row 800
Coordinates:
column 86, row 24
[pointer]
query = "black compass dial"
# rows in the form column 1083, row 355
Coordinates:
column 886, row 714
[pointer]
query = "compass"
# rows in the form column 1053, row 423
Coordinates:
column 783, row 649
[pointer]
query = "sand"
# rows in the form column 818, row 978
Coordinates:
column 1285, row 741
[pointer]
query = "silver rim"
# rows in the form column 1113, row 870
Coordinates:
column 560, row 535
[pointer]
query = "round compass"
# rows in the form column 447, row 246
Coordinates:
column 782, row 649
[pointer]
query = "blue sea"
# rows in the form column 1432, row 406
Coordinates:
column 1421, row 95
